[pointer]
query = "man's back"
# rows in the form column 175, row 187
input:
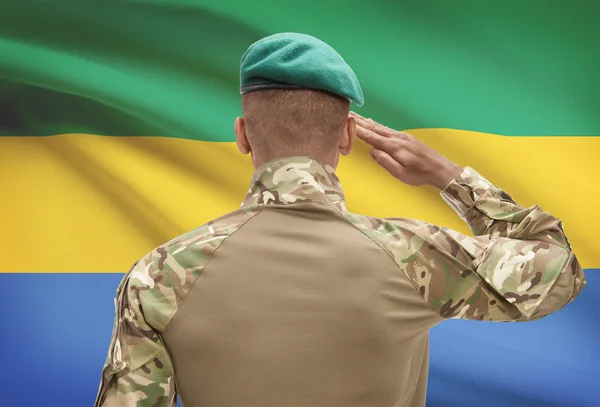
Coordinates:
column 294, row 301
column 299, row 308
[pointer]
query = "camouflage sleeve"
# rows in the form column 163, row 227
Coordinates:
column 519, row 265
column 490, row 211
column 138, row 370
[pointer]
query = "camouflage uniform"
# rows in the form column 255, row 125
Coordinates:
column 292, row 300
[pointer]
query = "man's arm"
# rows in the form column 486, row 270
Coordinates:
column 490, row 211
column 519, row 266
column 138, row 370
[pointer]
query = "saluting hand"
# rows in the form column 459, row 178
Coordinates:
column 406, row 158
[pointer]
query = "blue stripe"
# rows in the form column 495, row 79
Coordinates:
column 56, row 329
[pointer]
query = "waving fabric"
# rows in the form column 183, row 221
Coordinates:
column 116, row 135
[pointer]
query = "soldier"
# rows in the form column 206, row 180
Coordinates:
column 292, row 300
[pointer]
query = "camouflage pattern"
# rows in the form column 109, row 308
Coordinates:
column 295, row 179
column 472, row 196
column 518, row 266
column 138, row 370
column 510, row 271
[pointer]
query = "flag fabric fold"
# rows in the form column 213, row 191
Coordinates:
column 116, row 135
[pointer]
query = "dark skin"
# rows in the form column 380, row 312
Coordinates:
column 402, row 155
column 344, row 147
column 405, row 157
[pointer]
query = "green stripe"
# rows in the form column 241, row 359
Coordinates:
column 170, row 67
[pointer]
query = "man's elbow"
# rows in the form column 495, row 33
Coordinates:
column 565, row 288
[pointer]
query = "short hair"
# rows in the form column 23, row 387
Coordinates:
column 286, row 122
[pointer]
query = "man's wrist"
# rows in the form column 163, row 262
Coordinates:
column 446, row 175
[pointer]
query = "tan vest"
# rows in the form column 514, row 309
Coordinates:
column 300, row 308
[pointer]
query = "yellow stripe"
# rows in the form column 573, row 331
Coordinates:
column 83, row 203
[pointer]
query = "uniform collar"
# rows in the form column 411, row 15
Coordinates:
column 294, row 179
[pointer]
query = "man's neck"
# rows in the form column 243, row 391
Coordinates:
column 327, row 159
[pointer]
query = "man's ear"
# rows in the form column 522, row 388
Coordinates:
column 348, row 136
column 239, row 127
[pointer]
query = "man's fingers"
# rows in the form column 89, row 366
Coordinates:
column 388, row 163
column 376, row 140
column 367, row 124
column 372, row 125
column 357, row 116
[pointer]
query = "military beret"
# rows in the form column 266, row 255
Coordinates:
column 297, row 61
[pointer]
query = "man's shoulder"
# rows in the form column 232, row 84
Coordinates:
column 403, row 237
column 165, row 275
column 201, row 241
column 387, row 230
column 210, row 234
column 406, row 239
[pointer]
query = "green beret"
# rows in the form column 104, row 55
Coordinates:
column 296, row 61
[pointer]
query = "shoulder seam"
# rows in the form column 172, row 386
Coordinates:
column 391, row 258
column 260, row 209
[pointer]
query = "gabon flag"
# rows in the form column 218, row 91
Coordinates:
column 116, row 135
